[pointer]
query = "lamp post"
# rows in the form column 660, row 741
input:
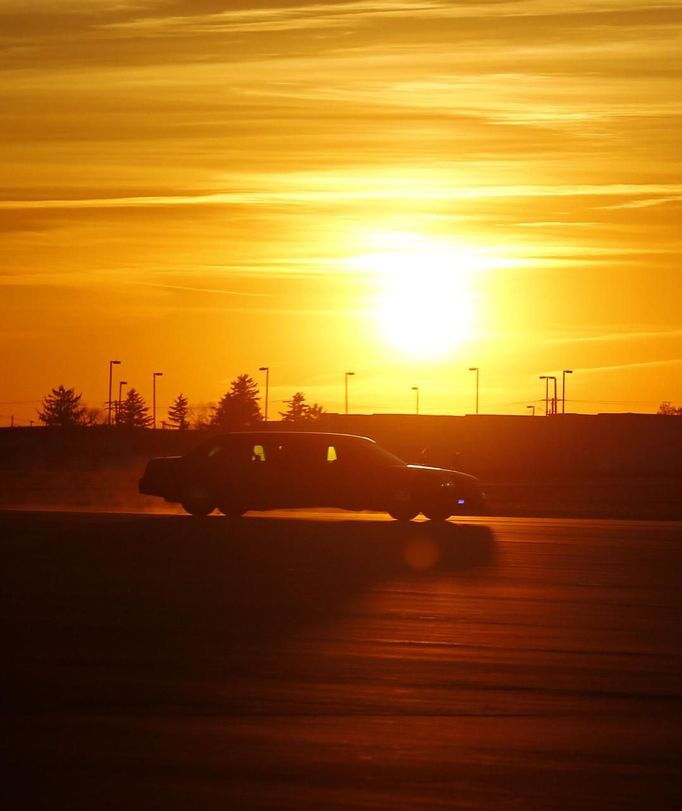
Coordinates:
column 532, row 410
column 111, row 364
column 546, row 379
column 477, row 370
column 266, row 369
column 121, row 384
column 563, row 389
column 416, row 407
column 154, row 376
column 346, row 376
column 554, row 399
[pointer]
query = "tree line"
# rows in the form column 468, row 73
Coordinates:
column 237, row 410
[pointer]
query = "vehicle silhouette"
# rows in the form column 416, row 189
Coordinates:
column 246, row 471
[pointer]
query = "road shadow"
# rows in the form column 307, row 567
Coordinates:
column 93, row 601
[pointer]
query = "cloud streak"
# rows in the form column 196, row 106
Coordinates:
column 310, row 16
column 385, row 189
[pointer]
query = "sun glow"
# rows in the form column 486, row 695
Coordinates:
column 426, row 304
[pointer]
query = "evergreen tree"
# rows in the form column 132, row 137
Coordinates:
column 299, row 411
column 62, row 408
column 296, row 408
column 238, row 408
column 133, row 411
column 315, row 412
column 179, row 412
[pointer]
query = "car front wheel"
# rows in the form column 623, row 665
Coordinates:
column 231, row 511
column 402, row 507
column 403, row 513
column 197, row 501
column 437, row 513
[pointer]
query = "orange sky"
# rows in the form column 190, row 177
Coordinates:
column 402, row 189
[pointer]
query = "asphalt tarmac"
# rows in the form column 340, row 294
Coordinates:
column 339, row 661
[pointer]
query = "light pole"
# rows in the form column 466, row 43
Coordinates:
column 416, row 408
column 346, row 376
column 546, row 379
column 266, row 369
column 563, row 389
column 121, row 384
column 154, row 376
column 554, row 399
column 477, row 370
column 532, row 410
column 111, row 364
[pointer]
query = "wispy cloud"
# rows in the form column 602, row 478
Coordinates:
column 331, row 15
column 624, row 336
column 646, row 203
column 619, row 367
column 347, row 188
column 213, row 290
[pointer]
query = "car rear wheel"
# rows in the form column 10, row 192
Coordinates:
column 197, row 501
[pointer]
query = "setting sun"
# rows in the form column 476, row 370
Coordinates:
column 426, row 303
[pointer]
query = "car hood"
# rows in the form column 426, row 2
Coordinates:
column 442, row 473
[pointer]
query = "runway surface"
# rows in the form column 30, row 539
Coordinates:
column 336, row 661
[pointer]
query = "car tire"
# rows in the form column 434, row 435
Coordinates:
column 230, row 511
column 437, row 513
column 402, row 506
column 403, row 512
column 197, row 501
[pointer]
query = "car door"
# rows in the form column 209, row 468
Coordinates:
column 348, row 479
column 260, row 474
column 301, row 464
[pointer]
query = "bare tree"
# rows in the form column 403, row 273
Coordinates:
column 669, row 409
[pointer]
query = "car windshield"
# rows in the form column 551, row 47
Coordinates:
column 380, row 456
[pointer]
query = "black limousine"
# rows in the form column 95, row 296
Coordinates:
column 245, row 471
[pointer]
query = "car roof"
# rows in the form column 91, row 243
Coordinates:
column 322, row 435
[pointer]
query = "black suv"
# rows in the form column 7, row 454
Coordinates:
column 270, row 470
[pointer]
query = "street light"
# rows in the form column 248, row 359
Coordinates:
column 554, row 399
column 154, row 376
column 477, row 370
column 346, row 376
column 266, row 369
column 416, row 389
column 563, row 388
column 111, row 363
column 546, row 379
column 121, row 384
column 532, row 407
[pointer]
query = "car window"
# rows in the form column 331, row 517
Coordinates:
column 258, row 453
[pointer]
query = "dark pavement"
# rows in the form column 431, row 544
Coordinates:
column 335, row 661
